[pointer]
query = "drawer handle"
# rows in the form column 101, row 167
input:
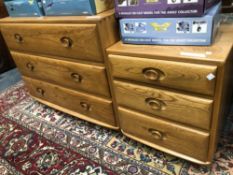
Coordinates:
column 153, row 74
column 85, row 106
column 76, row 77
column 18, row 38
column 155, row 104
column 156, row 134
column 66, row 42
column 40, row 91
column 30, row 66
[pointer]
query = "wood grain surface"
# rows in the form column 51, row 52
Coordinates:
column 187, row 109
column 77, row 41
column 184, row 76
column 77, row 76
column 61, row 19
column 165, row 134
column 85, row 104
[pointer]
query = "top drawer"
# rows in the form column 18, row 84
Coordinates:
column 184, row 76
column 78, row 41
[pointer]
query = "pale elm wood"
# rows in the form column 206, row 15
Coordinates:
column 94, row 107
column 60, row 19
column 109, row 35
column 180, row 139
column 93, row 34
column 76, row 114
column 53, row 39
column 102, row 6
column 223, row 102
column 187, row 109
column 76, row 76
column 217, row 55
column 184, row 76
column 168, row 151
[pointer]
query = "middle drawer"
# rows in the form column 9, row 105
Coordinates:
column 183, row 108
column 77, row 76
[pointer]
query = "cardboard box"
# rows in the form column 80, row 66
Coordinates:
column 76, row 7
column 172, row 31
column 162, row 8
column 24, row 8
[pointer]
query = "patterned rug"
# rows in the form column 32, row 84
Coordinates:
column 36, row 140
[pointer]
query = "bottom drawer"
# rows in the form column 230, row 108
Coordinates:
column 166, row 136
column 94, row 109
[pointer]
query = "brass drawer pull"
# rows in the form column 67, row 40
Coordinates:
column 40, row 91
column 66, row 42
column 153, row 74
column 85, row 106
column 156, row 134
column 155, row 104
column 18, row 38
column 30, row 66
column 76, row 77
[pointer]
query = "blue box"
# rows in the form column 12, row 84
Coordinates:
column 76, row 7
column 172, row 31
column 24, row 8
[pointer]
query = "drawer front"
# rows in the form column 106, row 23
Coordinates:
column 77, row 76
column 94, row 107
column 162, row 134
column 178, row 107
column 184, row 76
column 78, row 41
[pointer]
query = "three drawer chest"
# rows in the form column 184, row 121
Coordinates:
column 63, row 62
column 173, row 98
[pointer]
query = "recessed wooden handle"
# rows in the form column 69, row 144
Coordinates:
column 156, row 134
column 18, row 38
column 30, row 66
column 153, row 74
column 76, row 77
column 40, row 91
column 85, row 106
column 155, row 104
column 66, row 42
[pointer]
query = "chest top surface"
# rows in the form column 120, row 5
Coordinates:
column 59, row 19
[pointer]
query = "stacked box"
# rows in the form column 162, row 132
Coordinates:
column 162, row 8
column 172, row 31
column 24, row 8
column 76, row 7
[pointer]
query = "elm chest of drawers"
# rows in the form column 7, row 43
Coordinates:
column 62, row 60
column 173, row 98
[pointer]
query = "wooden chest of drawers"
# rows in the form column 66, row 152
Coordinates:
column 170, row 98
column 173, row 98
column 63, row 62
